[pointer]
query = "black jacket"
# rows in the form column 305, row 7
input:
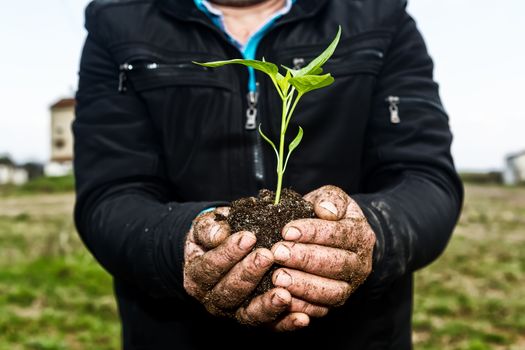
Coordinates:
column 173, row 142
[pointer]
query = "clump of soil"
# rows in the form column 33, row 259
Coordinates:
column 266, row 220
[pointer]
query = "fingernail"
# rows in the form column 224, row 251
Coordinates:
column 329, row 206
column 282, row 253
column 277, row 300
column 262, row 261
column 283, row 279
column 292, row 233
column 213, row 232
column 246, row 242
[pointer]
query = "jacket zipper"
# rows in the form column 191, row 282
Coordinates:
column 252, row 112
column 394, row 101
column 128, row 67
column 256, row 148
column 300, row 61
column 252, row 98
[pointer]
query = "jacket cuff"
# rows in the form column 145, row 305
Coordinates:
column 169, row 242
column 376, row 279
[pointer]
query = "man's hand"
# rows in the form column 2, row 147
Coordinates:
column 221, row 271
column 325, row 259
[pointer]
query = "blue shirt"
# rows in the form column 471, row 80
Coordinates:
column 248, row 50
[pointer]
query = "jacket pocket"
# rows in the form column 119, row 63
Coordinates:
column 396, row 104
column 361, row 54
column 192, row 109
column 150, row 73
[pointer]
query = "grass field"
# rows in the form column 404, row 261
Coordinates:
column 53, row 295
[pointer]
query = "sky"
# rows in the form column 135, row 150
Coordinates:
column 477, row 46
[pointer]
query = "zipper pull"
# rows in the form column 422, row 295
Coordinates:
column 394, row 110
column 251, row 111
column 122, row 77
column 298, row 63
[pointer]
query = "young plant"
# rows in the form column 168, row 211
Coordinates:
column 290, row 87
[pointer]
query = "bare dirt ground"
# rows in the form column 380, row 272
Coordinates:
column 38, row 205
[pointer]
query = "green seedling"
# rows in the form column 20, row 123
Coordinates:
column 291, row 87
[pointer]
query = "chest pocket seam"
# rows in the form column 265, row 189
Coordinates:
column 359, row 54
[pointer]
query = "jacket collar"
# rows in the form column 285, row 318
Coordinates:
column 185, row 10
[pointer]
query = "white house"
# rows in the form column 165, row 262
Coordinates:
column 10, row 173
column 62, row 116
column 514, row 172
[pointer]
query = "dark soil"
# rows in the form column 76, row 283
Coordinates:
column 266, row 220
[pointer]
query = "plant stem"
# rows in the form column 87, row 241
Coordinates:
column 280, row 160
column 297, row 98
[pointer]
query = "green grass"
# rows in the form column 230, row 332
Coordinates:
column 53, row 295
column 41, row 185
column 473, row 296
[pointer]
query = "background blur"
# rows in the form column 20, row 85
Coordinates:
column 54, row 296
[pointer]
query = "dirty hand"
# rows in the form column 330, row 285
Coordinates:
column 327, row 258
column 221, row 271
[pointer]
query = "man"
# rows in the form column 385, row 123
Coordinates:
column 160, row 141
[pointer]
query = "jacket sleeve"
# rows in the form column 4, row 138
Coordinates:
column 125, row 211
column 412, row 194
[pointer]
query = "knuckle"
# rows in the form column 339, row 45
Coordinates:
column 230, row 252
column 370, row 237
column 205, row 265
column 249, row 274
column 229, row 255
column 328, row 188
column 347, row 265
column 242, row 316
column 306, row 258
column 192, row 288
column 342, row 294
column 310, row 309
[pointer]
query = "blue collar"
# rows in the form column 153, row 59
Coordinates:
column 248, row 50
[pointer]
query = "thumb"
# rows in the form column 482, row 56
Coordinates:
column 330, row 202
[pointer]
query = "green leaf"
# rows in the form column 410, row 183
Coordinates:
column 263, row 66
column 307, row 83
column 295, row 72
column 312, row 67
column 283, row 82
column 293, row 145
column 316, row 71
column 292, row 71
column 270, row 142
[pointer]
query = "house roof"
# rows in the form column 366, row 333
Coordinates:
column 5, row 160
column 516, row 155
column 63, row 103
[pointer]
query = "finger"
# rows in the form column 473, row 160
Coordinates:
column 312, row 288
column 311, row 196
column 191, row 249
column 324, row 261
column 210, row 233
column 209, row 268
column 265, row 308
column 353, row 210
column 344, row 234
column 292, row 322
column 224, row 211
column 330, row 202
column 241, row 280
column 307, row 308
